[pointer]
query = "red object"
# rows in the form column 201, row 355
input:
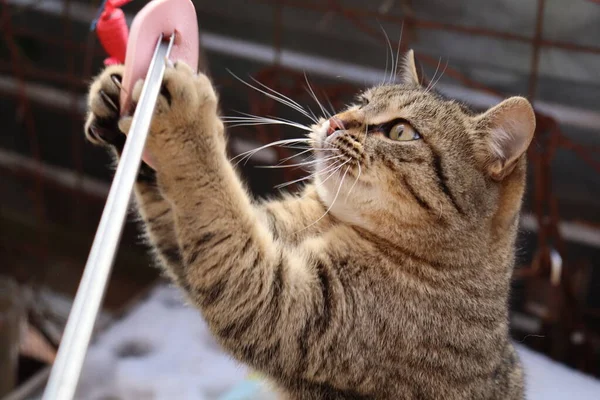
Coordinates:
column 159, row 18
column 113, row 32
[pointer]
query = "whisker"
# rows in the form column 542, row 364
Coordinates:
column 297, row 155
column 276, row 143
column 252, row 117
column 262, row 120
column 308, row 148
column 422, row 74
column 250, row 120
column 441, row 215
column 331, row 167
column 355, row 181
column 295, row 147
column 313, row 113
column 282, row 185
column 387, row 58
column 337, row 166
column 440, row 77
column 329, row 103
column 298, row 164
column 251, row 124
column 326, row 170
column 398, row 52
column 314, row 96
column 358, row 176
column 298, row 107
column 434, row 75
column 387, row 39
column 294, row 105
column 332, row 203
column 287, row 120
column 294, row 156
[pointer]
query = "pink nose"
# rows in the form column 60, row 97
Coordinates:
column 335, row 124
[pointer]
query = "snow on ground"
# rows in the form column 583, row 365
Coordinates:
column 162, row 350
column 549, row 380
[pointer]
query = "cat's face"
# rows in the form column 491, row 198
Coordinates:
column 408, row 157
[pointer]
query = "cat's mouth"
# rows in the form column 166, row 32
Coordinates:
column 340, row 151
column 319, row 135
column 324, row 140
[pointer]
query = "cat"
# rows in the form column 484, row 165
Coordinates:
column 387, row 277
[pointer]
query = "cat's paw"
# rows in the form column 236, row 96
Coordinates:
column 102, row 125
column 186, row 104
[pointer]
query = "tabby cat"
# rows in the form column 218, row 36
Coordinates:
column 399, row 291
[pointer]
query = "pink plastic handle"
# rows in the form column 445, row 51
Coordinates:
column 159, row 17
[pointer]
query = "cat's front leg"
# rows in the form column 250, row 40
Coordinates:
column 269, row 304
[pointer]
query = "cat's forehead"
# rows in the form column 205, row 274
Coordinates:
column 388, row 99
column 391, row 94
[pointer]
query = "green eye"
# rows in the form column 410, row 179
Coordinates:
column 403, row 132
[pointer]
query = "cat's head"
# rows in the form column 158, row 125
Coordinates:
column 411, row 158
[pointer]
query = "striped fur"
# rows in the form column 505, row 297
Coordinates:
column 399, row 292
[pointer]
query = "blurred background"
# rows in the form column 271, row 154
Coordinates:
column 53, row 185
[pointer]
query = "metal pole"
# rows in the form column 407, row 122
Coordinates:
column 78, row 331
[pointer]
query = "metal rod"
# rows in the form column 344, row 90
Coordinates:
column 78, row 331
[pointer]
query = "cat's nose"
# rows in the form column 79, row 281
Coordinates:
column 335, row 124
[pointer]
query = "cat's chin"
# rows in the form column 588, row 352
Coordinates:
column 341, row 209
column 319, row 134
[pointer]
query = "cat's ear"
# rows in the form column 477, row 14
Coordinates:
column 508, row 129
column 409, row 75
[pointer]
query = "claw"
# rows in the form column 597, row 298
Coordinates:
column 93, row 133
column 166, row 94
column 117, row 81
column 109, row 100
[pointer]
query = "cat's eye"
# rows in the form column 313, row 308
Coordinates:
column 403, row 132
column 361, row 101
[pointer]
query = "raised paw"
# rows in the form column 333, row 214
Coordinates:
column 102, row 125
column 186, row 100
